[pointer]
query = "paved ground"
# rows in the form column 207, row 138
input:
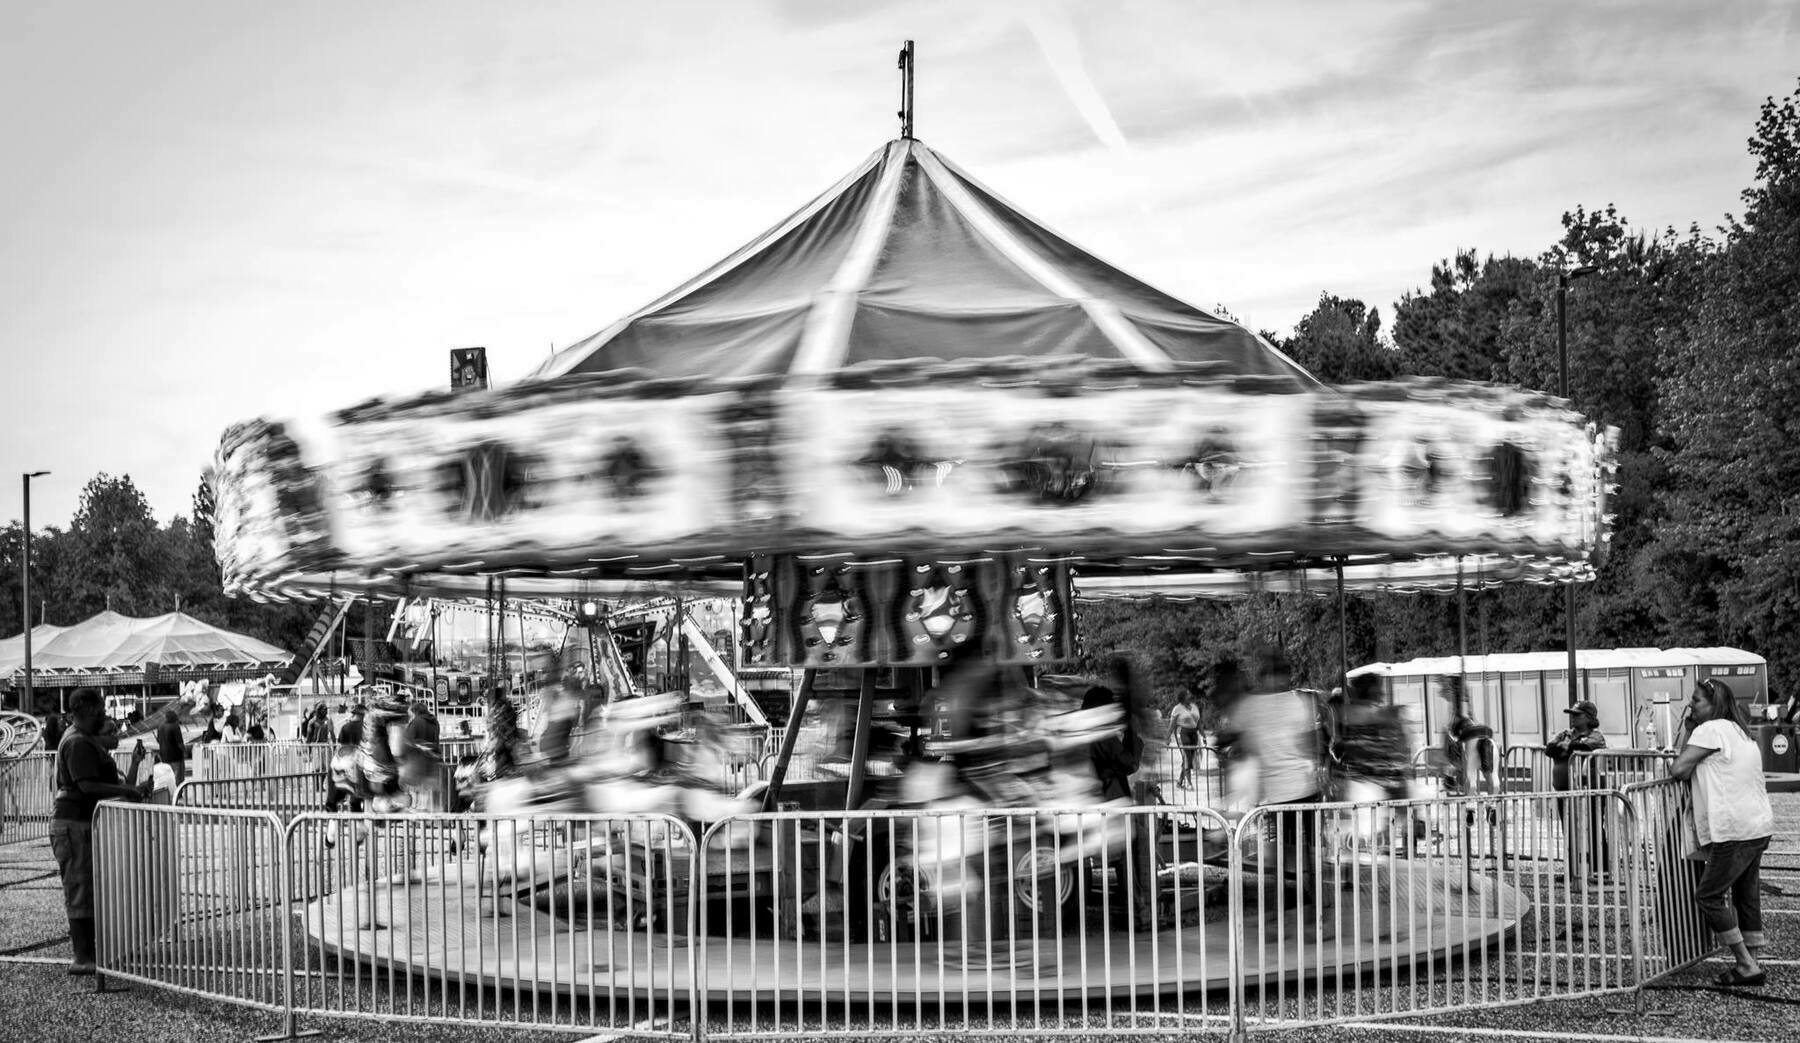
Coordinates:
column 38, row 1001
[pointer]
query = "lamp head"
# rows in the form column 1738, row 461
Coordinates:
column 36, row 474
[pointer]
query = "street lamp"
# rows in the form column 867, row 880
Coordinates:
column 27, row 704
column 1563, row 279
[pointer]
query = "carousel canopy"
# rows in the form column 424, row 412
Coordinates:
column 909, row 370
column 111, row 643
column 909, row 258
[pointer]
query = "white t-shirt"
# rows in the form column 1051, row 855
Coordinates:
column 1730, row 800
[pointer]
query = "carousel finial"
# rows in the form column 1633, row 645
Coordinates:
column 906, row 90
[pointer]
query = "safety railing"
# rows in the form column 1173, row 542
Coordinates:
column 283, row 795
column 1332, row 891
column 996, row 921
column 193, row 900
column 1526, row 769
column 1190, row 775
column 551, row 921
column 26, row 798
column 243, row 760
column 1116, row 920
column 1616, row 769
column 1673, row 935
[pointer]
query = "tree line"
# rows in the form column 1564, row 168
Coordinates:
column 1687, row 341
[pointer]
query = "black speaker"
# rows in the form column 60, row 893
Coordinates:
column 468, row 368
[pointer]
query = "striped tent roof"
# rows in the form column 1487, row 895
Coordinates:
column 909, row 258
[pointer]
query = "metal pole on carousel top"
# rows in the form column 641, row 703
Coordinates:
column 27, row 704
column 1562, row 388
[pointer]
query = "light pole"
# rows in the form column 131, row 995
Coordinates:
column 27, row 704
column 1563, row 279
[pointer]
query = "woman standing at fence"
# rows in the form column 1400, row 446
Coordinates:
column 1733, row 822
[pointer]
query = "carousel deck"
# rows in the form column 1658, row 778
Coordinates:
column 429, row 936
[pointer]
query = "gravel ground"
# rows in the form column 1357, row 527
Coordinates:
column 41, row 1002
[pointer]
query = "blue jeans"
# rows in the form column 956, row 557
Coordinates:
column 1729, row 892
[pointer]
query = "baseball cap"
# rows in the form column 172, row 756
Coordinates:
column 1584, row 706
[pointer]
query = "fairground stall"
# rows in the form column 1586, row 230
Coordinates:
column 907, row 426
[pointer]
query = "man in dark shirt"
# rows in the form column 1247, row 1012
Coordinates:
column 85, row 776
column 170, row 748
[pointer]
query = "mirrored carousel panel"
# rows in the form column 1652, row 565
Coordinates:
column 609, row 477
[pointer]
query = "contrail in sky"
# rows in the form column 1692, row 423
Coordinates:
column 1062, row 52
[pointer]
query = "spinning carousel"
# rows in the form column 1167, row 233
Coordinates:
column 908, row 426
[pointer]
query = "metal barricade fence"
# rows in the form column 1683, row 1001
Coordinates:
column 243, row 760
column 192, row 900
column 27, row 796
column 1329, row 893
column 1188, row 775
column 1120, row 920
column 553, row 921
column 1673, row 935
column 1616, row 769
column 1039, row 922
column 1526, row 769
column 283, row 795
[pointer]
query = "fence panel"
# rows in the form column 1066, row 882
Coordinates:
column 191, row 899
column 27, row 793
column 246, row 760
column 1349, row 915
column 898, row 923
column 1616, row 769
column 282, row 795
column 1185, row 775
column 552, row 921
column 1527, row 769
column 1672, row 933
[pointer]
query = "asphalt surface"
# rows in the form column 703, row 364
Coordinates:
column 39, row 1001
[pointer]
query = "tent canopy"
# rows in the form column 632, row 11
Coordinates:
column 909, row 258
column 110, row 642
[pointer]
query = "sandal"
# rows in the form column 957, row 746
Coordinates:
column 1732, row 978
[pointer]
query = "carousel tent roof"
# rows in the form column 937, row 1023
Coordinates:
column 110, row 642
column 909, row 258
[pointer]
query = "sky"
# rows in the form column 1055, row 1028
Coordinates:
column 214, row 210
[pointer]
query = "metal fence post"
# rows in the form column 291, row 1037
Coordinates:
column 1234, row 919
column 285, row 888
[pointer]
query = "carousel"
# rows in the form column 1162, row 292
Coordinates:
column 908, row 427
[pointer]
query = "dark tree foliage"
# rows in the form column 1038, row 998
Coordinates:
column 1340, row 342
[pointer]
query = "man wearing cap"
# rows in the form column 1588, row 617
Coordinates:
column 1587, row 847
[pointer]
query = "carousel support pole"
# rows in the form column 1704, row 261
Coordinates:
column 790, row 737
column 859, row 749
column 1343, row 630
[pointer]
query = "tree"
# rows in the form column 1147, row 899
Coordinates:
column 1456, row 329
column 113, row 551
column 1729, row 378
column 1340, row 342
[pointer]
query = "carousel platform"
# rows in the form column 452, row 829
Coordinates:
column 1417, row 911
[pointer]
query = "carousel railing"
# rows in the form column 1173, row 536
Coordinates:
column 242, row 760
column 1111, row 920
column 27, row 793
column 283, row 795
